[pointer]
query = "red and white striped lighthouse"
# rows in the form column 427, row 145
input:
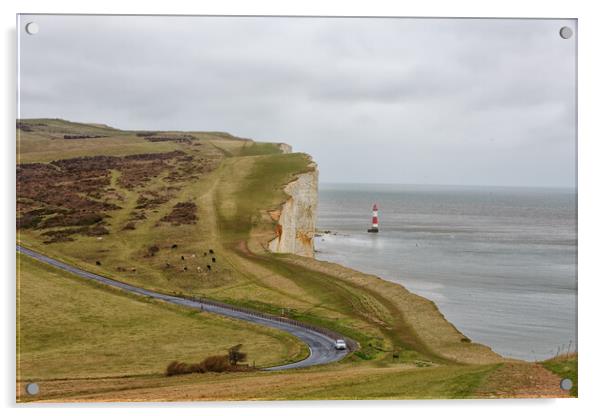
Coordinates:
column 374, row 228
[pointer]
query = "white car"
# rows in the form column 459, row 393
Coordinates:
column 340, row 344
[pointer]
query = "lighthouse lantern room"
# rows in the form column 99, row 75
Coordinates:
column 374, row 228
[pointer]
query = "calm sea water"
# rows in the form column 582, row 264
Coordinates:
column 500, row 263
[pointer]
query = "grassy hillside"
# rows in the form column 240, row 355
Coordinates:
column 187, row 213
column 42, row 140
column 70, row 328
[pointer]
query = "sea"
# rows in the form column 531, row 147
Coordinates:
column 499, row 262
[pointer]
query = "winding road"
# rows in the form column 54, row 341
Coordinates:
column 321, row 346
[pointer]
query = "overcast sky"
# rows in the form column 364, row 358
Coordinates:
column 415, row 101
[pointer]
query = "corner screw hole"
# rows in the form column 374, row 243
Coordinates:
column 566, row 384
column 32, row 389
column 566, row 32
column 32, row 28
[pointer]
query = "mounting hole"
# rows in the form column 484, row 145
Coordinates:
column 32, row 28
column 566, row 384
column 566, row 32
column 32, row 389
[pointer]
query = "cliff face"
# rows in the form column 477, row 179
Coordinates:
column 296, row 220
column 285, row 148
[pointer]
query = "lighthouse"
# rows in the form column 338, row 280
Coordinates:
column 374, row 228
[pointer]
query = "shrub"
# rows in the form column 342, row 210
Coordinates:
column 363, row 355
column 182, row 213
column 216, row 363
column 97, row 230
column 213, row 363
column 235, row 355
column 146, row 133
column 62, row 235
column 73, row 219
column 175, row 368
column 196, row 368
column 28, row 221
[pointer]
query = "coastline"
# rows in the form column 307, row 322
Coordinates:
column 421, row 315
column 499, row 267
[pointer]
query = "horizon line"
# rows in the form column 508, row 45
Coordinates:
column 571, row 187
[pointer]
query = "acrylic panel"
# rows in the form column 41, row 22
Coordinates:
column 295, row 208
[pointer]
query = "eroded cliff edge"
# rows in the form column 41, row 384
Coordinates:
column 296, row 218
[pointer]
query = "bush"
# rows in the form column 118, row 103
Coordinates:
column 363, row 355
column 235, row 355
column 216, row 363
column 177, row 368
column 182, row 213
column 28, row 220
column 78, row 218
column 196, row 368
column 97, row 230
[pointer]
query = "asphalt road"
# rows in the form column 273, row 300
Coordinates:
column 321, row 346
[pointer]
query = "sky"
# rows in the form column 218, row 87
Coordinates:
column 373, row 100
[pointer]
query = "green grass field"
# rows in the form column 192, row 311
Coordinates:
column 71, row 328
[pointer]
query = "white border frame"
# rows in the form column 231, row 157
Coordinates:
column 590, row 200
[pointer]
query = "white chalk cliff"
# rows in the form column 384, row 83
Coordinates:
column 285, row 148
column 296, row 219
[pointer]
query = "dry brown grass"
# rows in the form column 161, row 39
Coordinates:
column 332, row 382
column 522, row 380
